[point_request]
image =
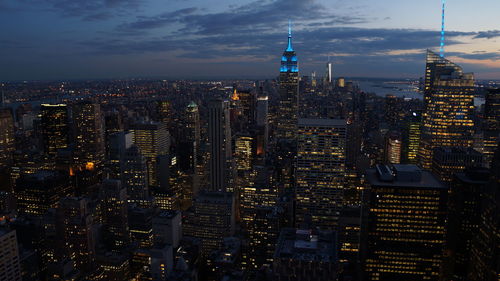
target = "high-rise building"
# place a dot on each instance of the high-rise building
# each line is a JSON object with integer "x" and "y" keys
{"x": 349, "y": 236}
{"x": 248, "y": 104}
{"x": 449, "y": 106}
{"x": 320, "y": 171}
{"x": 117, "y": 144}
{"x": 329, "y": 73}
{"x": 189, "y": 152}
{"x": 464, "y": 218}
{"x": 38, "y": 192}
{"x": 447, "y": 161}
{"x": 140, "y": 222}
{"x": 393, "y": 110}
{"x": 89, "y": 136}
{"x": 411, "y": 138}
{"x": 75, "y": 224}
{"x": 153, "y": 140}
{"x": 165, "y": 112}
{"x": 262, "y": 121}
{"x": 259, "y": 214}
{"x": 6, "y": 137}
{"x": 219, "y": 138}
{"x": 212, "y": 219}
{"x": 491, "y": 130}
{"x": 27, "y": 162}
{"x": 135, "y": 177}
{"x": 10, "y": 269}
{"x": 306, "y": 255}
{"x": 54, "y": 124}
{"x": 262, "y": 112}
{"x": 192, "y": 138}
{"x": 404, "y": 224}
{"x": 288, "y": 92}
{"x": 341, "y": 82}
{"x": 393, "y": 145}
{"x": 114, "y": 208}
{"x": 485, "y": 248}
{"x": 167, "y": 228}
{"x": 244, "y": 153}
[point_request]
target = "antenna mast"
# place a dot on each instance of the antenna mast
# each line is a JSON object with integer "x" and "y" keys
{"x": 441, "y": 47}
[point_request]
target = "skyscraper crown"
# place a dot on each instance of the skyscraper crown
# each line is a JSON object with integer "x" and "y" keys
{"x": 289, "y": 61}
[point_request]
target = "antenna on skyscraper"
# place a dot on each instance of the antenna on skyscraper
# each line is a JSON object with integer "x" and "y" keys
{"x": 441, "y": 47}
{"x": 289, "y": 28}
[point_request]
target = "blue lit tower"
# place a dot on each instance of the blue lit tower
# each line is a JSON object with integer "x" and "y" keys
{"x": 289, "y": 92}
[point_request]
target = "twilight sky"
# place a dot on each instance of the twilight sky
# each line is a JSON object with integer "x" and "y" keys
{"x": 73, "y": 39}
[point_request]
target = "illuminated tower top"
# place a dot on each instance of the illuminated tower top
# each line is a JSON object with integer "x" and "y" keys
{"x": 289, "y": 61}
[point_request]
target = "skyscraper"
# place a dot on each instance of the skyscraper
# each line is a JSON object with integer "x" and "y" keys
{"x": 485, "y": 248}
{"x": 219, "y": 138}
{"x": 393, "y": 145}
{"x": 447, "y": 161}
{"x": 289, "y": 93}
{"x": 10, "y": 269}
{"x": 89, "y": 135}
{"x": 411, "y": 138}
{"x": 320, "y": 172}
{"x": 491, "y": 128}
{"x": 54, "y": 123}
{"x": 449, "y": 106}
{"x": 153, "y": 140}
{"x": 464, "y": 218}
{"x": 192, "y": 136}
{"x": 75, "y": 224}
{"x": 262, "y": 123}
{"x": 38, "y": 192}
{"x": 212, "y": 219}
{"x": 329, "y": 72}
{"x": 114, "y": 206}
{"x": 189, "y": 151}
{"x": 118, "y": 143}
{"x": 6, "y": 137}
{"x": 135, "y": 177}
{"x": 404, "y": 224}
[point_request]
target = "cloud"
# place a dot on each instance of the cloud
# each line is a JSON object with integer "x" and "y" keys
{"x": 254, "y": 36}
{"x": 258, "y": 16}
{"x": 88, "y": 10}
{"x": 488, "y": 34}
{"x": 146, "y": 23}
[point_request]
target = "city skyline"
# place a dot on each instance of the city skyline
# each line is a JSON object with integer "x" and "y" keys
{"x": 60, "y": 39}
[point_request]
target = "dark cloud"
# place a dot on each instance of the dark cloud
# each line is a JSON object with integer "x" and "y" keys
{"x": 157, "y": 21}
{"x": 88, "y": 10}
{"x": 258, "y": 16}
{"x": 254, "y": 36}
{"x": 477, "y": 55}
{"x": 488, "y": 34}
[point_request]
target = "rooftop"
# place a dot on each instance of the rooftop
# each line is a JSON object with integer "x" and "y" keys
{"x": 307, "y": 244}
{"x": 322, "y": 122}
{"x": 402, "y": 176}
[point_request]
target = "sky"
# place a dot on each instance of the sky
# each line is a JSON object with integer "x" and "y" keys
{"x": 205, "y": 39}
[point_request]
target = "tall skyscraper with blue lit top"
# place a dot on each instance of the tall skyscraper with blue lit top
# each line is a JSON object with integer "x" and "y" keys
{"x": 289, "y": 92}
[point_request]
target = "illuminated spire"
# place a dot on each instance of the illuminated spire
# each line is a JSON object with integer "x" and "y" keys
{"x": 289, "y": 48}
{"x": 441, "y": 47}
{"x": 235, "y": 95}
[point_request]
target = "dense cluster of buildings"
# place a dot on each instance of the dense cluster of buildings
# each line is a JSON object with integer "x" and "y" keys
{"x": 294, "y": 179}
